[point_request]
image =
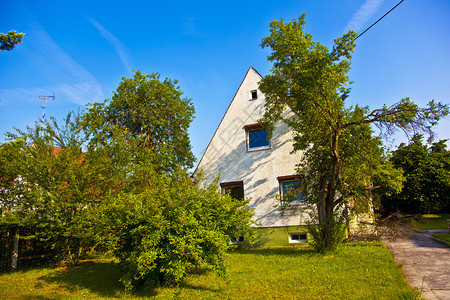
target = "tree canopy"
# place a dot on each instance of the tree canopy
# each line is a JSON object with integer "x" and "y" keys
{"x": 10, "y": 40}
{"x": 427, "y": 172}
{"x": 341, "y": 153}
{"x": 150, "y": 111}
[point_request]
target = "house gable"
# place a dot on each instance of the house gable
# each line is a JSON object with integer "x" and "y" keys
{"x": 239, "y": 153}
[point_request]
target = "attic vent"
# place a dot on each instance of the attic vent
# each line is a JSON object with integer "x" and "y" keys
{"x": 254, "y": 94}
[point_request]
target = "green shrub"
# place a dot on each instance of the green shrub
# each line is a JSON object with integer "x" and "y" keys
{"x": 171, "y": 227}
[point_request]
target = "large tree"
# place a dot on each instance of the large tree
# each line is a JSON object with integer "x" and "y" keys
{"x": 340, "y": 153}
{"x": 427, "y": 173}
{"x": 152, "y": 111}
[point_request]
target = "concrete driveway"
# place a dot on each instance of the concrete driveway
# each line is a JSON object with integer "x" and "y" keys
{"x": 426, "y": 263}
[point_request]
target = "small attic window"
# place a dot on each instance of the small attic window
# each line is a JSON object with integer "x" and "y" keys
{"x": 254, "y": 94}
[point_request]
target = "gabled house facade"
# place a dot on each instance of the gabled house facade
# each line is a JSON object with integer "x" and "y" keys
{"x": 253, "y": 167}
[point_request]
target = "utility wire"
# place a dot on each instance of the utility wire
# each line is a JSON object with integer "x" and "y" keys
{"x": 378, "y": 20}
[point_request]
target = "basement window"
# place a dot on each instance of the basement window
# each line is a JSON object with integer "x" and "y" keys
{"x": 254, "y": 94}
{"x": 236, "y": 240}
{"x": 298, "y": 237}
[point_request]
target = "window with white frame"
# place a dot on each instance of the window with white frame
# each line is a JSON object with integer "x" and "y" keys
{"x": 290, "y": 190}
{"x": 254, "y": 94}
{"x": 256, "y": 137}
{"x": 298, "y": 237}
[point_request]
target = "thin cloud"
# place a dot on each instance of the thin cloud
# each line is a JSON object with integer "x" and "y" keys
{"x": 362, "y": 15}
{"x": 74, "y": 84}
{"x": 190, "y": 29}
{"x": 118, "y": 46}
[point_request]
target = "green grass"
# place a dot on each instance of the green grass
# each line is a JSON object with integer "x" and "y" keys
{"x": 443, "y": 236}
{"x": 355, "y": 271}
{"x": 431, "y": 221}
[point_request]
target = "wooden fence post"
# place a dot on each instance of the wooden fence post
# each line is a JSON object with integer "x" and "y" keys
{"x": 15, "y": 255}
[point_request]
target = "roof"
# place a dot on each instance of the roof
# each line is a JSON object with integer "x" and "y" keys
{"x": 248, "y": 71}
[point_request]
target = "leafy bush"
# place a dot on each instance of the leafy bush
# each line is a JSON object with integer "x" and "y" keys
{"x": 171, "y": 227}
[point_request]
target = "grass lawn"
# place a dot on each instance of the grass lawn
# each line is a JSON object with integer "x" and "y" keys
{"x": 432, "y": 221}
{"x": 443, "y": 236}
{"x": 355, "y": 271}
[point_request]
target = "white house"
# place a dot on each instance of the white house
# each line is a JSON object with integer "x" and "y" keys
{"x": 253, "y": 167}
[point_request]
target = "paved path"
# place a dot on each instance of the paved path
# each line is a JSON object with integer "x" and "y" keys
{"x": 426, "y": 263}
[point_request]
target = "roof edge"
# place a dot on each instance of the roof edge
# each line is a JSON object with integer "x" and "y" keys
{"x": 234, "y": 97}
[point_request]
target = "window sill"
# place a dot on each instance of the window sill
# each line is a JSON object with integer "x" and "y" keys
{"x": 258, "y": 149}
{"x": 298, "y": 241}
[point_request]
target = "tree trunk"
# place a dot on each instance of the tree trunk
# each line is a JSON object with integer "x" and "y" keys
{"x": 15, "y": 255}
{"x": 328, "y": 212}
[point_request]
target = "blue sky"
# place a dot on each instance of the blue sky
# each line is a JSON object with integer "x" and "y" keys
{"x": 80, "y": 50}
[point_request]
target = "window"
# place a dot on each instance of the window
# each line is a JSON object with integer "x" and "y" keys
{"x": 235, "y": 240}
{"x": 298, "y": 237}
{"x": 256, "y": 137}
{"x": 290, "y": 189}
{"x": 254, "y": 94}
{"x": 234, "y": 188}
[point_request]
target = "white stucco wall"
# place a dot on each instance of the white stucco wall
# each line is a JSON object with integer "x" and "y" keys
{"x": 227, "y": 154}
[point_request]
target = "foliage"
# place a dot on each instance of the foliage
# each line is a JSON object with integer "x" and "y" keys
{"x": 51, "y": 188}
{"x": 10, "y": 159}
{"x": 259, "y": 273}
{"x": 336, "y": 230}
{"x": 427, "y": 173}
{"x": 341, "y": 155}
{"x": 10, "y": 40}
{"x": 172, "y": 226}
{"x": 147, "y": 109}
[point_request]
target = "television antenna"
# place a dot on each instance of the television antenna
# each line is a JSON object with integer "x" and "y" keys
{"x": 45, "y": 98}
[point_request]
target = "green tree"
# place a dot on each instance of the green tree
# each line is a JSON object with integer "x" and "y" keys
{"x": 10, "y": 40}
{"x": 151, "y": 111}
{"x": 51, "y": 189}
{"x": 341, "y": 154}
{"x": 427, "y": 173}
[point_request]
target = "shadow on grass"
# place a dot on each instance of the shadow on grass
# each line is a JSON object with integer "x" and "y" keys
{"x": 34, "y": 297}
{"x": 185, "y": 285}
{"x": 269, "y": 251}
{"x": 101, "y": 278}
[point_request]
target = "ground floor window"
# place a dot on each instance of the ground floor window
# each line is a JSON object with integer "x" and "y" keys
{"x": 234, "y": 188}
{"x": 290, "y": 189}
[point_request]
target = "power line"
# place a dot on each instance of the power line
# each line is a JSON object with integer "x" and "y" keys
{"x": 378, "y": 20}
